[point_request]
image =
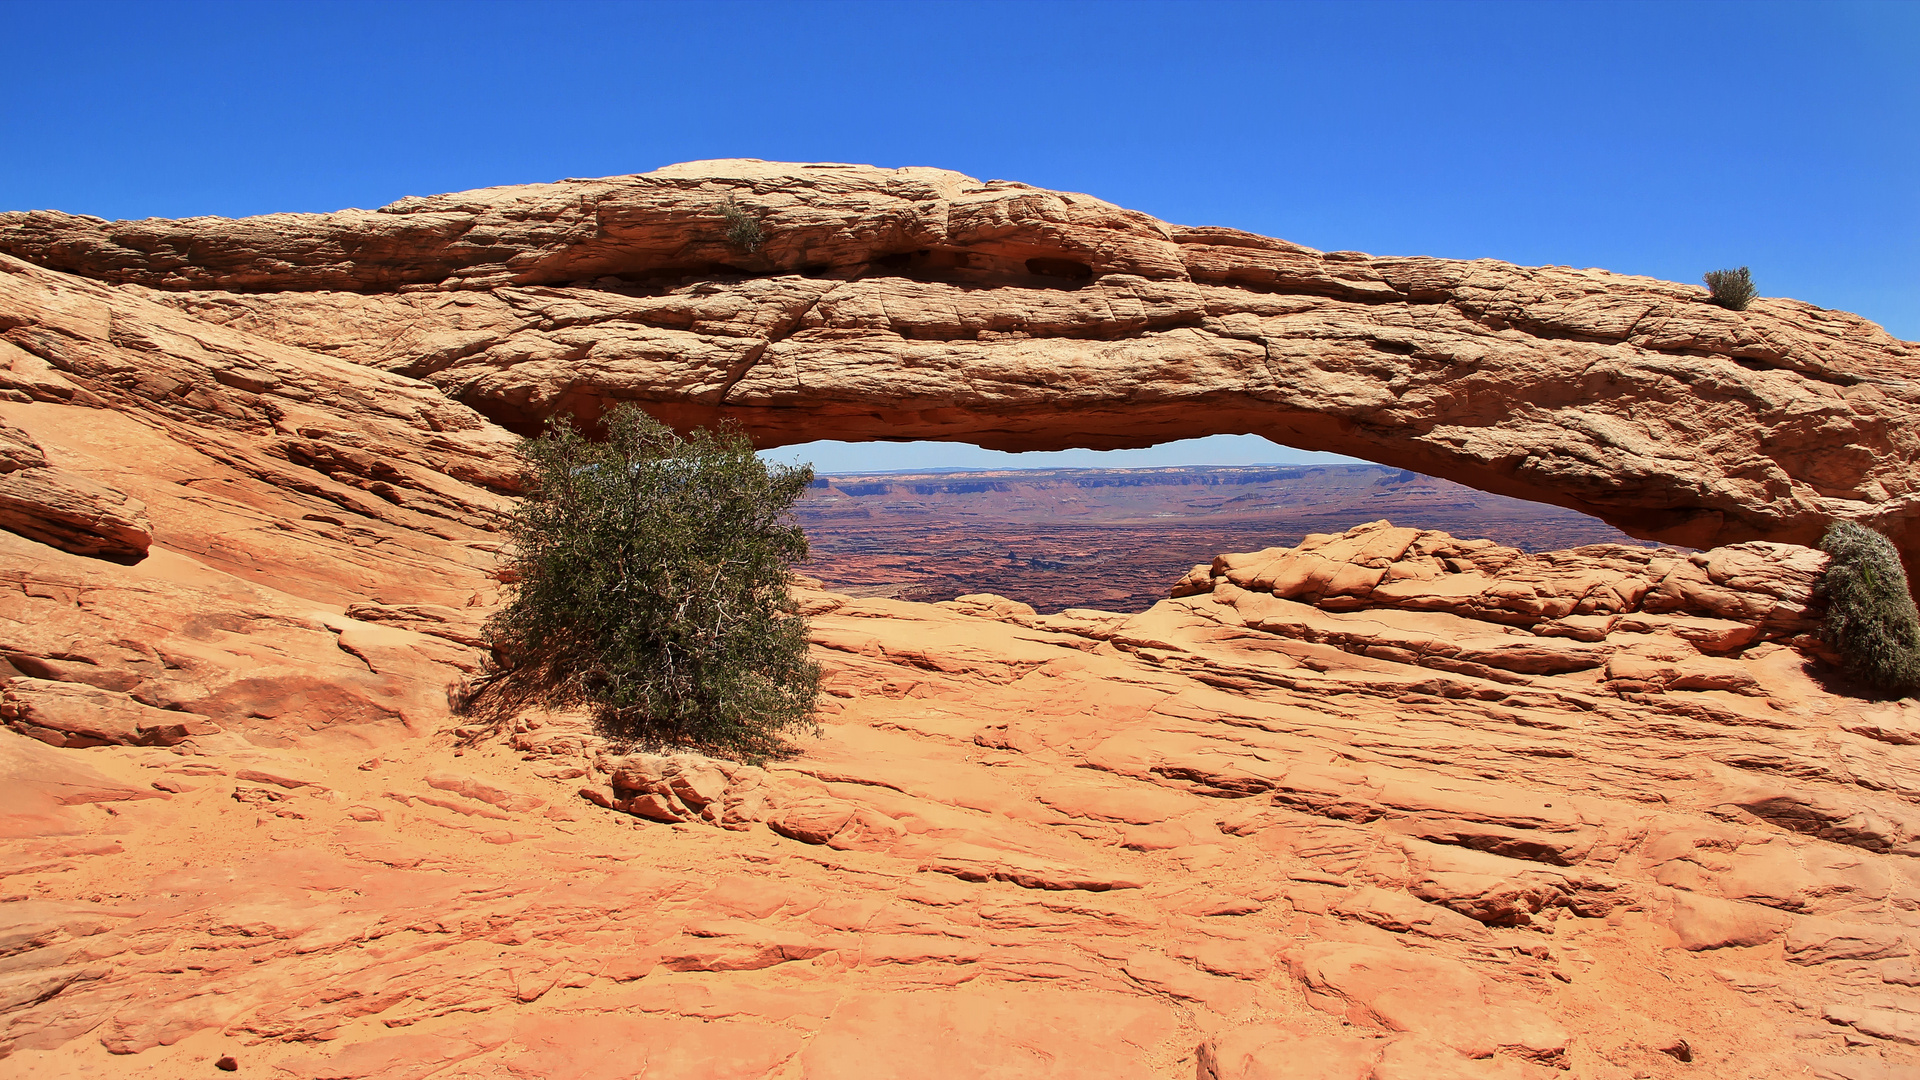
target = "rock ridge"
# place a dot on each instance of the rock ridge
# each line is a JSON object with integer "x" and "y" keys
{"x": 1386, "y": 803}
{"x": 922, "y": 304}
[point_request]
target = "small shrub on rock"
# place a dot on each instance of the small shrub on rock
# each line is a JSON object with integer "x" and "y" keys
{"x": 1871, "y": 618}
{"x": 650, "y": 582}
{"x": 1731, "y": 289}
{"x": 743, "y": 229}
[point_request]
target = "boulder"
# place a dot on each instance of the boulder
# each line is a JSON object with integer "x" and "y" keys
{"x": 75, "y": 714}
{"x": 73, "y": 513}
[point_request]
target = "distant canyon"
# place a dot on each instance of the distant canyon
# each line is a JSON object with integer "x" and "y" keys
{"x": 1117, "y": 539}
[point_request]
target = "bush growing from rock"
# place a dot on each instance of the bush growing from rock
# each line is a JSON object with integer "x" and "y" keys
{"x": 1731, "y": 289}
{"x": 743, "y": 229}
{"x": 650, "y": 582}
{"x": 1871, "y": 618}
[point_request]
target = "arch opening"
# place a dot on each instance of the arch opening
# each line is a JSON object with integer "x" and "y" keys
{"x": 1114, "y": 530}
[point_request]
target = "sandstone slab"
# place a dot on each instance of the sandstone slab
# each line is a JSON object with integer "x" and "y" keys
{"x": 1502, "y": 813}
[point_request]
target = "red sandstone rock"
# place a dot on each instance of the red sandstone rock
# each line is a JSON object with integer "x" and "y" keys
{"x": 69, "y": 512}
{"x": 277, "y": 505}
{"x": 918, "y": 303}
{"x": 1402, "y": 991}
{"x": 75, "y": 714}
{"x": 40, "y": 786}
{"x": 474, "y": 788}
{"x": 1298, "y": 1052}
{"x": 19, "y": 451}
{"x": 1512, "y": 816}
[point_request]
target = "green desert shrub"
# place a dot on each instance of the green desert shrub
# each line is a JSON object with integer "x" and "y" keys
{"x": 1731, "y": 289}
{"x": 1871, "y": 620}
{"x": 649, "y": 582}
{"x": 743, "y": 229}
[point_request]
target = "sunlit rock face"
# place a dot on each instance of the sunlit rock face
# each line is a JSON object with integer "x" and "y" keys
{"x": 1388, "y": 802}
{"x": 922, "y": 304}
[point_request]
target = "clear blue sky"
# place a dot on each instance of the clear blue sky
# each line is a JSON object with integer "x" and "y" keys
{"x": 1647, "y": 138}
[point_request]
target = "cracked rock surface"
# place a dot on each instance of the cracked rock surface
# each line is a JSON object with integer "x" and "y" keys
{"x": 922, "y": 304}
{"x": 1389, "y": 803}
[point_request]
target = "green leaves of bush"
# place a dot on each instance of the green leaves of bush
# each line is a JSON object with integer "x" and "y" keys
{"x": 650, "y": 582}
{"x": 1731, "y": 289}
{"x": 743, "y": 229}
{"x": 1871, "y": 618}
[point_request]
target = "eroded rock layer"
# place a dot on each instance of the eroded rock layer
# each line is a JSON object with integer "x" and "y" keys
{"x": 1461, "y": 829}
{"x": 1389, "y": 803}
{"x": 922, "y": 304}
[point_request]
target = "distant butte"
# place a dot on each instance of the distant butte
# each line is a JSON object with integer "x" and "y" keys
{"x": 919, "y": 303}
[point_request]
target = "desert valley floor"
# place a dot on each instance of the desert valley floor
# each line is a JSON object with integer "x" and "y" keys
{"x": 1113, "y": 538}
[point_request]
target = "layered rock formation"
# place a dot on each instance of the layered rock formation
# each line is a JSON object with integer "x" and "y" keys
{"x": 315, "y": 536}
{"x": 1385, "y": 804}
{"x": 922, "y": 304}
{"x": 1451, "y": 829}
{"x": 67, "y": 511}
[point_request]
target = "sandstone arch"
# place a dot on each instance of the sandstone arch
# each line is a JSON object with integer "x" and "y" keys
{"x": 922, "y": 304}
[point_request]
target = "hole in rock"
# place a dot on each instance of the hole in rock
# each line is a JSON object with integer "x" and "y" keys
{"x": 985, "y": 267}
{"x": 1070, "y": 269}
{"x": 1114, "y": 529}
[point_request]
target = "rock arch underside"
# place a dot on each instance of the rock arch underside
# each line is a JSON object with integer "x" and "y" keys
{"x": 1385, "y": 804}
{"x": 921, "y": 304}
